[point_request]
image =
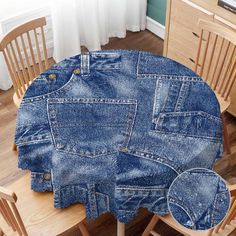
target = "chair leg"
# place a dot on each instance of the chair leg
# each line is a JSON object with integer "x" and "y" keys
{"x": 14, "y": 147}
{"x": 120, "y": 228}
{"x": 83, "y": 229}
{"x": 1, "y": 232}
{"x": 230, "y": 218}
{"x": 210, "y": 232}
{"x": 225, "y": 135}
{"x": 151, "y": 225}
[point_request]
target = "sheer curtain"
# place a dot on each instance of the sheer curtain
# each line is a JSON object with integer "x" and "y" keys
{"x": 82, "y": 22}
{"x": 10, "y": 11}
{"x": 5, "y": 82}
{"x": 91, "y": 22}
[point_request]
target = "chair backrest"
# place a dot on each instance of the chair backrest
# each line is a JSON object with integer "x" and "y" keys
{"x": 216, "y": 57}
{"x": 25, "y": 53}
{"x": 37, "y": 212}
{"x": 9, "y": 211}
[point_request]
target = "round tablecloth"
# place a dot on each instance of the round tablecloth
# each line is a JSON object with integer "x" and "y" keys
{"x": 113, "y": 129}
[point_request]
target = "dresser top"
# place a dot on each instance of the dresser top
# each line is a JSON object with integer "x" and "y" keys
{"x": 211, "y": 5}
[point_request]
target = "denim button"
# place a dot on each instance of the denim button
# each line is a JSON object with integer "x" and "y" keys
{"x": 125, "y": 149}
{"x": 52, "y": 76}
{"x": 59, "y": 145}
{"x": 76, "y": 71}
{"x": 47, "y": 176}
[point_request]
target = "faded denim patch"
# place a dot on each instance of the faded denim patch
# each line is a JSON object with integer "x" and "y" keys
{"x": 198, "y": 199}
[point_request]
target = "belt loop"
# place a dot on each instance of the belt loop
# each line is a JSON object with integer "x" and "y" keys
{"x": 92, "y": 201}
{"x": 85, "y": 63}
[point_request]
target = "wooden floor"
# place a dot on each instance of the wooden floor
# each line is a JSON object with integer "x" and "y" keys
{"x": 105, "y": 225}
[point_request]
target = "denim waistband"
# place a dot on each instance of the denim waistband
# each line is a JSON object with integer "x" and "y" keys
{"x": 41, "y": 181}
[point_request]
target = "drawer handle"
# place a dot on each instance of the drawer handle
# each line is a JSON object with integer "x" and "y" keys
{"x": 195, "y": 34}
{"x": 191, "y": 60}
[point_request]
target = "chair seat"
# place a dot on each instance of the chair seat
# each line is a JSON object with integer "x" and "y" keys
{"x": 38, "y": 212}
{"x": 17, "y": 100}
{"x": 168, "y": 219}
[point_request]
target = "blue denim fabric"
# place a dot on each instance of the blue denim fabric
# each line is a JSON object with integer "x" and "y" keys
{"x": 198, "y": 199}
{"x": 113, "y": 129}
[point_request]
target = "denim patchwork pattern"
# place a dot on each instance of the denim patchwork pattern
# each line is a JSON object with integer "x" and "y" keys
{"x": 113, "y": 129}
{"x": 198, "y": 199}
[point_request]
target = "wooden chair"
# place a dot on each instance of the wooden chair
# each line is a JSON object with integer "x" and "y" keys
{"x": 216, "y": 63}
{"x": 25, "y": 54}
{"x": 24, "y": 212}
{"x": 223, "y": 229}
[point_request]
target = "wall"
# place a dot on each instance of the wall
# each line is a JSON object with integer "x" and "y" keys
{"x": 12, "y": 8}
{"x": 156, "y": 9}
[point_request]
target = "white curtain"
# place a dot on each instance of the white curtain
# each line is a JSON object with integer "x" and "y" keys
{"x": 10, "y": 10}
{"x": 83, "y": 22}
{"x": 91, "y": 22}
{"x": 5, "y": 82}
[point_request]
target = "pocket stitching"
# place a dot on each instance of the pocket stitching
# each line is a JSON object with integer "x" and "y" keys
{"x": 158, "y": 123}
{"x": 190, "y": 214}
{"x": 126, "y": 135}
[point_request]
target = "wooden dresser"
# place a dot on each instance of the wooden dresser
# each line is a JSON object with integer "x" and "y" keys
{"x": 182, "y": 33}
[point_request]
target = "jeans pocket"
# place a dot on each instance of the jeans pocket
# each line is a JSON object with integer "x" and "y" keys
{"x": 179, "y": 108}
{"x": 91, "y": 126}
{"x": 48, "y": 82}
{"x": 193, "y": 123}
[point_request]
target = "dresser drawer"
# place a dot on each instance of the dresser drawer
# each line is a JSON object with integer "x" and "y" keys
{"x": 183, "y": 42}
{"x": 225, "y": 23}
{"x": 184, "y": 32}
{"x": 183, "y": 39}
{"x": 177, "y": 55}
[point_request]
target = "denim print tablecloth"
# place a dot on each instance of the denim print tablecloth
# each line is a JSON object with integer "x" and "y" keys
{"x": 113, "y": 129}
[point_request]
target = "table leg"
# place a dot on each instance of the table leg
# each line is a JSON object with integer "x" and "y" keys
{"x": 120, "y": 228}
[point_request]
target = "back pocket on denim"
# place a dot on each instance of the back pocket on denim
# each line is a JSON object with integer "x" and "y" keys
{"x": 193, "y": 123}
{"x": 91, "y": 126}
